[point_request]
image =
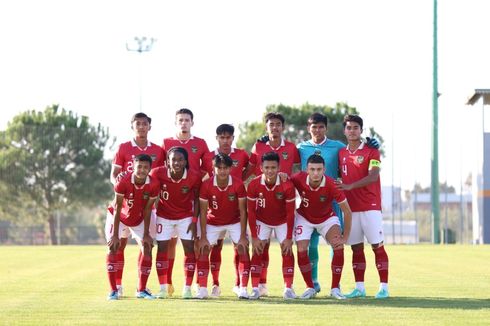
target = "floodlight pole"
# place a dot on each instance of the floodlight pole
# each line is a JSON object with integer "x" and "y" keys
{"x": 435, "y": 141}
{"x": 140, "y": 45}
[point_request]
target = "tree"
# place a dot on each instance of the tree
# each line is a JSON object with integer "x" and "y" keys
{"x": 443, "y": 187}
{"x": 296, "y": 123}
{"x": 54, "y": 159}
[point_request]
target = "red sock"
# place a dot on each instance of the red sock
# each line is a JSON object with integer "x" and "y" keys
{"x": 265, "y": 263}
{"x": 111, "y": 263}
{"x": 144, "y": 271}
{"x": 288, "y": 270}
{"x": 244, "y": 268}
{"x": 337, "y": 266}
{"x": 236, "y": 262}
{"x": 119, "y": 266}
{"x": 203, "y": 270}
{"x": 358, "y": 264}
{"x": 170, "y": 269}
{"x": 162, "y": 267}
{"x": 381, "y": 259}
{"x": 256, "y": 269}
{"x": 305, "y": 267}
{"x": 189, "y": 267}
{"x": 215, "y": 261}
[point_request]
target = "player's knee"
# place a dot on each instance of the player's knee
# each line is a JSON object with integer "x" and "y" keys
{"x": 377, "y": 245}
{"x": 357, "y": 247}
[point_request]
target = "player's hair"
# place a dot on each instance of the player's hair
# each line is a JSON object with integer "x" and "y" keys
{"x": 352, "y": 118}
{"x": 274, "y": 115}
{"x": 225, "y": 129}
{"x": 317, "y": 117}
{"x": 222, "y": 159}
{"x": 140, "y": 115}
{"x": 143, "y": 158}
{"x": 185, "y": 111}
{"x": 315, "y": 158}
{"x": 182, "y": 151}
{"x": 270, "y": 156}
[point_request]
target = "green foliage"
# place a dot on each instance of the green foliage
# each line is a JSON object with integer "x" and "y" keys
{"x": 54, "y": 159}
{"x": 296, "y": 123}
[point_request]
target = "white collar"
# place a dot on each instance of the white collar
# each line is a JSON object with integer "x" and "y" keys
{"x": 216, "y": 151}
{"x": 215, "y": 183}
{"x": 352, "y": 152}
{"x": 133, "y": 143}
{"x": 320, "y": 144}
{"x": 147, "y": 181}
{"x": 282, "y": 144}
{"x": 322, "y": 183}
{"x": 184, "y": 176}
{"x": 183, "y": 141}
{"x": 262, "y": 182}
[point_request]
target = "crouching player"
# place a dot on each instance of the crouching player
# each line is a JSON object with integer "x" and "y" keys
{"x": 135, "y": 194}
{"x": 270, "y": 206}
{"x": 315, "y": 212}
{"x": 223, "y": 204}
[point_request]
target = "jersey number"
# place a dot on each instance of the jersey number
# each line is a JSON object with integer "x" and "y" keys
{"x": 214, "y": 203}
{"x": 164, "y": 194}
{"x": 306, "y": 202}
{"x": 344, "y": 169}
{"x": 130, "y": 203}
{"x": 261, "y": 202}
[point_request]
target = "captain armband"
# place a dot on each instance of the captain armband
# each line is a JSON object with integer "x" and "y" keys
{"x": 374, "y": 164}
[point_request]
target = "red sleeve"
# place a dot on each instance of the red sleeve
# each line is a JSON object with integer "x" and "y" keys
{"x": 241, "y": 192}
{"x": 203, "y": 191}
{"x": 297, "y": 158}
{"x": 207, "y": 163}
{"x": 118, "y": 158}
{"x": 253, "y": 155}
{"x": 119, "y": 187}
{"x": 161, "y": 161}
{"x": 155, "y": 187}
{"x": 290, "y": 206}
{"x": 337, "y": 194}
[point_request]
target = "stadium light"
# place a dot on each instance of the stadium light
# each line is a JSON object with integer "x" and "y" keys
{"x": 140, "y": 45}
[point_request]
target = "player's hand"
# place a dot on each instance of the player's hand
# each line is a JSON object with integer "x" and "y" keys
{"x": 148, "y": 241}
{"x": 264, "y": 139}
{"x": 283, "y": 176}
{"x": 342, "y": 186}
{"x": 121, "y": 175}
{"x": 243, "y": 242}
{"x": 287, "y": 247}
{"x": 203, "y": 245}
{"x": 257, "y": 246}
{"x": 193, "y": 229}
{"x": 113, "y": 243}
{"x": 372, "y": 142}
{"x": 337, "y": 242}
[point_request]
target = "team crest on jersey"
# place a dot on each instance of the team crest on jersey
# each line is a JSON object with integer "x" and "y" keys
{"x": 184, "y": 190}
{"x": 279, "y": 195}
{"x": 231, "y": 197}
{"x": 323, "y": 198}
{"x": 360, "y": 159}
{"x": 146, "y": 195}
{"x": 235, "y": 163}
{"x": 153, "y": 157}
{"x": 194, "y": 149}
{"x": 285, "y": 155}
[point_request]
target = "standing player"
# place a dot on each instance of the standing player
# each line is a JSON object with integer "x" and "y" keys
{"x": 177, "y": 212}
{"x": 271, "y": 207}
{"x": 361, "y": 183}
{"x": 223, "y": 202}
{"x": 225, "y": 137}
{"x": 288, "y": 155}
{"x": 123, "y": 162}
{"x": 329, "y": 149}
{"x": 196, "y": 148}
{"x": 135, "y": 194}
{"x": 317, "y": 191}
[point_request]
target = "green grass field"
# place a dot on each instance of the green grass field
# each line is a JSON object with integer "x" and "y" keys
{"x": 429, "y": 285}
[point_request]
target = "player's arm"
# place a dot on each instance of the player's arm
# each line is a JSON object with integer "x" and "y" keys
{"x": 257, "y": 245}
{"x": 287, "y": 244}
{"x": 195, "y": 218}
{"x": 372, "y": 176}
{"x": 344, "y": 206}
{"x": 114, "y": 241}
{"x": 115, "y": 170}
{"x": 147, "y": 239}
{"x": 203, "y": 241}
{"x": 242, "y": 205}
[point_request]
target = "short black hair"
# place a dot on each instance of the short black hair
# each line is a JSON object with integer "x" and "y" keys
{"x": 274, "y": 115}
{"x": 352, "y": 118}
{"x": 225, "y": 129}
{"x": 222, "y": 159}
{"x": 143, "y": 158}
{"x": 185, "y": 111}
{"x": 270, "y": 156}
{"x": 315, "y": 158}
{"x": 140, "y": 115}
{"x": 182, "y": 151}
{"x": 317, "y": 117}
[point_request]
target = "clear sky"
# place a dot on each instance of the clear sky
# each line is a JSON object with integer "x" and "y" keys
{"x": 227, "y": 60}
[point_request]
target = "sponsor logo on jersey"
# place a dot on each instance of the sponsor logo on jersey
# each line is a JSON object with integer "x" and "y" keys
{"x": 164, "y": 187}
{"x": 146, "y": 195}
{"x": 194, "y": 148}
{"x": 184, "y": 190}
{"x": 131, "y": 195}
{"x": 285, "y": 155}
{"x": 360, "y": 159}
{"x": 231, "y": 197}
{"x": 235, "y": 163}
{"x": 279, "y": 195}
{"x": 323, "y": 198}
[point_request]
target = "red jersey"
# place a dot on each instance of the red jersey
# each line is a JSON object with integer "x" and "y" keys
{"x": 135, "y": 198}
{"x": 270, "y": 203}
{"x": 176, "y": 196}
{"x": 316, "y": 203}
{"x": 127, "y": 151}
{"x": 223, "y": 208}
{"x": 195, "y": 147}
{"x": 355, "y": 166}
{"x": 239, "y": 157}
{"x": 288, "y": 154}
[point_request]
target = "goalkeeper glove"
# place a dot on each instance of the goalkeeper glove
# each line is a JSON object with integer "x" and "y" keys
{"x": 264, "y": 139}
{"x": 372, "y": 142}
